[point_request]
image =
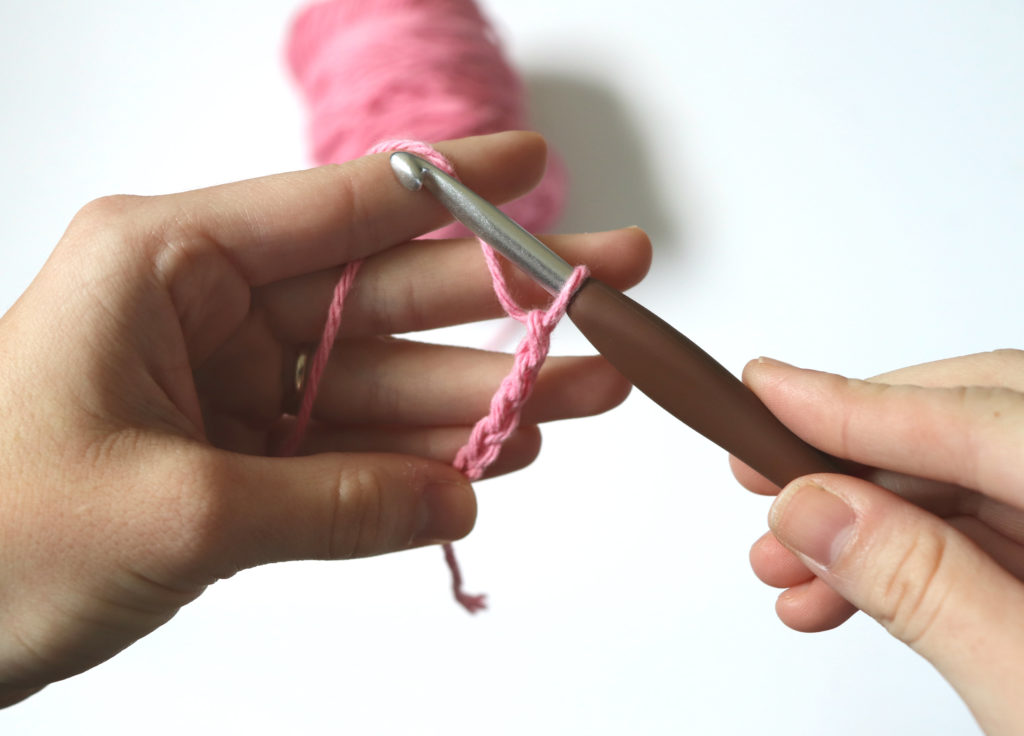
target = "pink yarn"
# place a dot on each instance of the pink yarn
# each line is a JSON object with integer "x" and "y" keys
{"x": 428, "y": 70}
{"x": 415, "y": 70}
{"x": 320, "y": 358}
{"x": 488, "y": 435}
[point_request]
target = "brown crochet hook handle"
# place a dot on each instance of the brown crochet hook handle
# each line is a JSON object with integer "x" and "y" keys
{"x": 691, "y": 385}
{"x": 648, "y": 351}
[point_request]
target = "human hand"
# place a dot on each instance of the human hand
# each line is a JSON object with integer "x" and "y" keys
{"x": 141, "y": 385}
{"x": 938, "y": 559}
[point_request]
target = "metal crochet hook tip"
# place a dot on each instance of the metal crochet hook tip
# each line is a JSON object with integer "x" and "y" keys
{"x": 489, "y": 223}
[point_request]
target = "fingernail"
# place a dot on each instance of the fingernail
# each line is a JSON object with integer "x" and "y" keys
{"x": 812, "y": 521}
{"x": 771, "y": 361}
{"x": 446, "y": 512}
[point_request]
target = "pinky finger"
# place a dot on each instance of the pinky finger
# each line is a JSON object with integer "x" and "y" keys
{"x": 812, "y": 606}
{"x": 751, "y": 479}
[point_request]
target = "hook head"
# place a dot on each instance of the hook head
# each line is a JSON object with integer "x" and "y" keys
{"x": 408, "y": 170}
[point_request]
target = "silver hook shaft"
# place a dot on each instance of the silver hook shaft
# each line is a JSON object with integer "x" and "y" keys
{"x": 489, "y": 223}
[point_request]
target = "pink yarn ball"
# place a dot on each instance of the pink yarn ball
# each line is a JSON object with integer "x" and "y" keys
{"x": 429, "y": 70}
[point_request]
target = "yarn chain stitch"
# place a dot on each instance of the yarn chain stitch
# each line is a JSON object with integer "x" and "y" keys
{"x": 491, "y": 431}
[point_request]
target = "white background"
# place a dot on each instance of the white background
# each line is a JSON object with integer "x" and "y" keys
{"x": 834, "y": 184}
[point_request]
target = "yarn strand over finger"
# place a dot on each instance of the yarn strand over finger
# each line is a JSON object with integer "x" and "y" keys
{"x": 424, "y": 70}
{"x": 490, "y": 432}
{"x": 430, "y": 70}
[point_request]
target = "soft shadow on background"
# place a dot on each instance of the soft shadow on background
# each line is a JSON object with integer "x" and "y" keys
{"x": 610, "y": 175}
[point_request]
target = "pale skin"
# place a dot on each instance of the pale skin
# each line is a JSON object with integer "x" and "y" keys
{"x": 147, "y": 389}
{"x": 938, "y": 560}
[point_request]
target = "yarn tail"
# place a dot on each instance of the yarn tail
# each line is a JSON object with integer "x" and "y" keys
{"x": 489, "y": 434}
{"x": 472, "y": 603}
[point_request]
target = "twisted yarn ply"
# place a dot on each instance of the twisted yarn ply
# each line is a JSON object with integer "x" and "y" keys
{"x": 429, "y": 70}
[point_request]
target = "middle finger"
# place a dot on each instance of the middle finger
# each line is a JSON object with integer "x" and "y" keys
{"x": 427, "y": 284}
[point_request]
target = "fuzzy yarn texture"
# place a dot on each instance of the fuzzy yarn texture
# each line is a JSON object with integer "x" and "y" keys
{"x": 401, "y": 72}
{"x": 426, "y": 70}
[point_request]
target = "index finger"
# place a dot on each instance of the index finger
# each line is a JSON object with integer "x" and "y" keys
{"x": 285, "y": 225}
{"x": 995, "y": 368}
{"x": 971, "y": 436}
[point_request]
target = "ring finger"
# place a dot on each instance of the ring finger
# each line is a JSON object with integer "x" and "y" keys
{"x": 387, "y": 381}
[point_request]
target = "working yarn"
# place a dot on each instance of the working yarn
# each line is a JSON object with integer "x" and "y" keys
{"x": 402, "y": 71}
{"x": 427, "y": 70}
{"x": 491, "y": 431}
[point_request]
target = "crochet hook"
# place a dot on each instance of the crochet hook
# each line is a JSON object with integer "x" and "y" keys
{"x": 649, "y": 352}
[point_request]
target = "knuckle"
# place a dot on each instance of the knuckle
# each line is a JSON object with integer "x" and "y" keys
{"x": 96, "y": 237}
{"x": 105, "y": 211}
{"x": 360, "y": 221}
{"x": 409, "y": 303}
{"x": 851, "y": 427}
{"x": 364, "y": 519}
{"x": 915, "y": 586}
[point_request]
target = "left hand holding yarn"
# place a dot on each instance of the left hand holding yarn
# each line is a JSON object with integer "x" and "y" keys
{"x": 141, "y": 386}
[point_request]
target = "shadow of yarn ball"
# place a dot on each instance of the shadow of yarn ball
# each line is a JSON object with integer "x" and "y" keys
{"x": 610, "y": 181}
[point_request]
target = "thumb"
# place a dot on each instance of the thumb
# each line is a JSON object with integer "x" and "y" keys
{"x": 925, "y": 582}
{"x": 328, "y": 506}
